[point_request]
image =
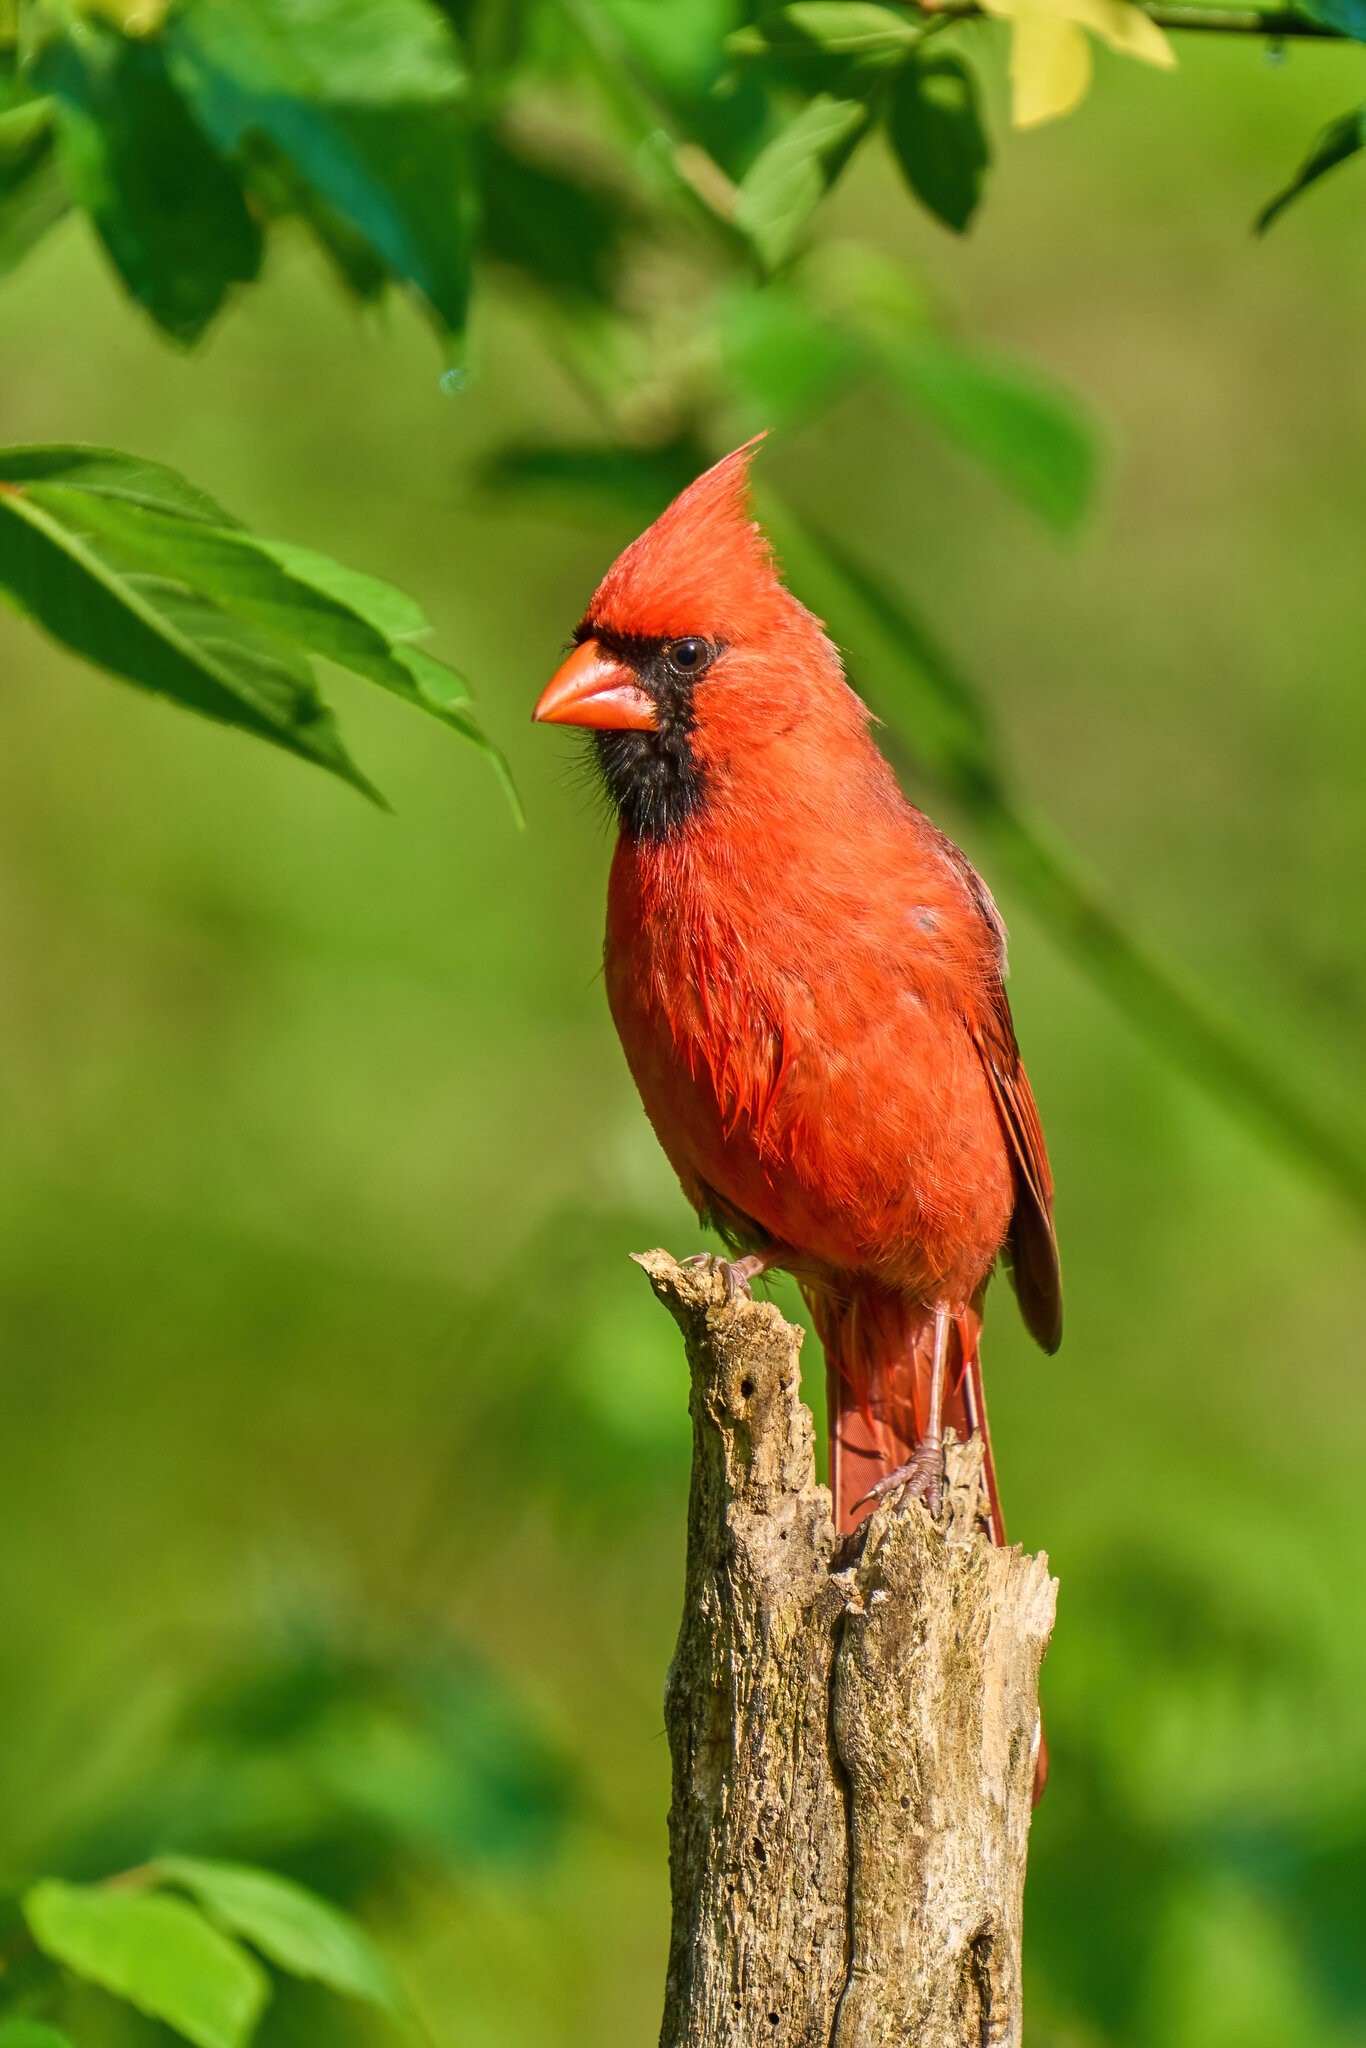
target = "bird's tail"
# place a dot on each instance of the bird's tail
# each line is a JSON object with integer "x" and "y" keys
{"x": 879, "y": 1349}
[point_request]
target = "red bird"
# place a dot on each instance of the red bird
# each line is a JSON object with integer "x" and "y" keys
{"x": 806, "y": 975}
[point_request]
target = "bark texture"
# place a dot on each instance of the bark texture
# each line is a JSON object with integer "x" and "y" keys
{"x": 852, "y": 1730}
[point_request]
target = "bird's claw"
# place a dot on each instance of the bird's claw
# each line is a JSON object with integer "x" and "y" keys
{"x": 732, "y": 1271}
{"x": 920, "y": 1478}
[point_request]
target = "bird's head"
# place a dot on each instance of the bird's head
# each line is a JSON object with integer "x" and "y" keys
{"x": 691, "y": 655}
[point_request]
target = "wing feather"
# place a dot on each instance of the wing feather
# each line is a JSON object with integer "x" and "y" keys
{"x": 1032, "y": 1245}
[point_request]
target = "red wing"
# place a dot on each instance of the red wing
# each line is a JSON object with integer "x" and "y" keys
{"x": 1032, "y": 1246}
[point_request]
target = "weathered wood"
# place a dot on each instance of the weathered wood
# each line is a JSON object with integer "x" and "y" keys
{"x": 852, "y": 1730}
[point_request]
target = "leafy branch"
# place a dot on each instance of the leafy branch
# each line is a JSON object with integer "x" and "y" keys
{"x": 146, "y": 577}
{"x": 183, "y": 1939}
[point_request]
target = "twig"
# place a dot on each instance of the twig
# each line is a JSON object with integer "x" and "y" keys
{"x": 1276, "y": 23}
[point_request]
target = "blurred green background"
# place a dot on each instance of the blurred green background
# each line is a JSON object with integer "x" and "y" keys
{"x": 319, "y": 1164}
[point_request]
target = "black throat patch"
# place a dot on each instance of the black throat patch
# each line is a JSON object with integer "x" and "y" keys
{"x": 653, "y": 778}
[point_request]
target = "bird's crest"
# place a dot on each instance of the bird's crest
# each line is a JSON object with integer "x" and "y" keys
{"x": 703, "y": 567}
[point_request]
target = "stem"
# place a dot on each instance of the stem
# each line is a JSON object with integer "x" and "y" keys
{"x": 649, "y": 109}
{"x": 1275, "y": 23}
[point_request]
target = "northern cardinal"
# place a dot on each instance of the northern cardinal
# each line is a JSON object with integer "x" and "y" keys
{"x": 806, "y": 975}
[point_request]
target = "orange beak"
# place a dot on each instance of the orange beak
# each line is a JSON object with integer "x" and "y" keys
{"x": 595, "y": 690}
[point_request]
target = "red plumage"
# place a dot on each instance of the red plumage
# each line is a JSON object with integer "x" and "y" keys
{"x": 807, "y": 977}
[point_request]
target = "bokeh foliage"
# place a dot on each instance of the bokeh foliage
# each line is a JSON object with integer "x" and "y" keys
{"x": 319, "y": 1160}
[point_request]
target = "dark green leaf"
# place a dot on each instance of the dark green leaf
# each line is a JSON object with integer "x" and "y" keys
{"x": 603, "y": 476}
{"x": 788, "y": 180}
{"x": 166, "y": 206}
{"x": 294, "y": 1929}
{"x": 365, "y": 99}
{"x": 556, "y": 228}
{"x": 818, "y": 29}
{"x": 279, "y": 190}
{"x": 1340, "y": 139}
{"x": 935, "y": 127}
{"x": 99, "y": 599}
{"x": 32, "y": 195}
{"x": 1029, "y": 433}
{"x": 159, "y": 1953}
{"x": 1347, "y": 15}
{"x": 105, "y": 473}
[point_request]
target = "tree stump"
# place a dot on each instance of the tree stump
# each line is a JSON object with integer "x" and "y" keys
{"x": 853, "y": 1726}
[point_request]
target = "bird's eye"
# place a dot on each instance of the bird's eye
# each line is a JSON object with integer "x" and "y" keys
{"x": 689, "y": 657}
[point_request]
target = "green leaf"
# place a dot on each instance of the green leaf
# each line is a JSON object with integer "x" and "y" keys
{"x": 31, "y": 2034}
{"x": 167, "y": 208}
{"x": 105, "y": 473}
{"x": 786, "y": 359}
{"x": 159, "y": 1953}
{"x": 32, "y": 195}
{"x": 366, "y": 625}
{"x": 335, "y": 53}
{"x": 135, "y": 569}
{"x": 294, "y": 1929}
{"x": 365, "y": 98}
{"x": 934, "y": 124}
{"x": 281, "y": 193}
{"x": 290, "y": 592}
{"x": 384, "y": 606}
{"x": 598, "y": 477}
{"x": 100, "y": 599}
{"x": 1347, "y": 15}
{"x": 556, "y": 228}
{"x": 1031, "y": 435}
{"x": 1340, "y": 140}
{"x": 788, "y": 180}
{"x": 829, "y": 28}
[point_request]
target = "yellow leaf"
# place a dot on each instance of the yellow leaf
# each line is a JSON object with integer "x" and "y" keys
{"x": 1050, "y": 59}
{"x": 1125, "y": 28}
{"x": 1050, "y": 68}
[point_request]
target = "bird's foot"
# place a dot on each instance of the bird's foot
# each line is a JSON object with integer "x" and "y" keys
{"x": 920, "y": 1478}
{"x": 736, "y": 1273}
